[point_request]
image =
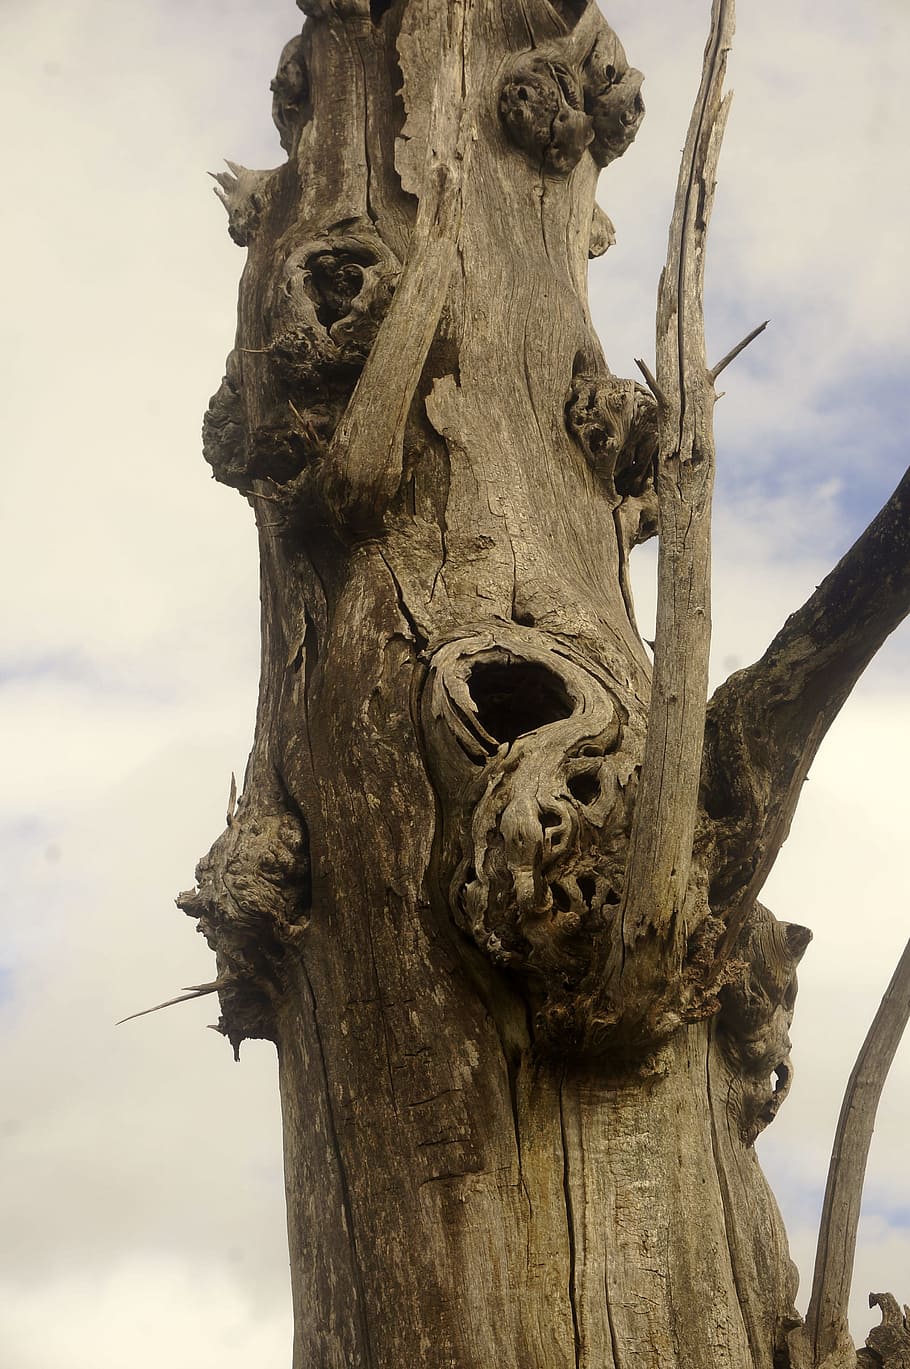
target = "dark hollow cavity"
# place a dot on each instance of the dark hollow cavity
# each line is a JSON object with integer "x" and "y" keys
{"x": 516, "y": 697}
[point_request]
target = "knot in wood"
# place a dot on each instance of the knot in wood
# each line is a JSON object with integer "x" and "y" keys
{"x": 224, "y": 443}
{"x": 333, "y": 292}
{"x": 541, "y": 107}
{"x": 290, "y": 89}
{"x": 329, "y": 298}
{"x": 615, "y": 423}
{"x": 614, "y": 102}
{"x": 755, "y": 1018}
{"x": 251, "y": 902}
{"x": 535, "y": 762}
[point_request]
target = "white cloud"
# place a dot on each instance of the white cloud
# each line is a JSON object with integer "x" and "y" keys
{"x": 843, "y": 873}
{"x": 807, "y": 228}
{"x": 149, "y": 1312}
{"x": 107, "y": 1123}
{"x": 142, "y": 1157}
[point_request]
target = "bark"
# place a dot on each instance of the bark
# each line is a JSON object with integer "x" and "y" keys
{"x": 493, "y": 1154}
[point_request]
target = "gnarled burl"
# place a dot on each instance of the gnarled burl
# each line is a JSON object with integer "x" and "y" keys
{"x": 503, "y": 1144}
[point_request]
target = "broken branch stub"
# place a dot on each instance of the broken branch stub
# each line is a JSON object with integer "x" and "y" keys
{"x": 887, "y": 1345}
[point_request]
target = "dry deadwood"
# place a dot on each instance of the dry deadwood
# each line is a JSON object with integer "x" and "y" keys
{"x": 491, "y": 884}
{"x": 540, "y": 105}
{"x": 534, "y": 756}
{"x": 825, "y": 1336}
{"x": 887, "y": 1345}
{"x": 290, "y": 92}
{"x": 615, "y": 422}
{"x": 603, "y": 234}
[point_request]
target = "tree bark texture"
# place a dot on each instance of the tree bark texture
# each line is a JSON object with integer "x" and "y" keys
{"x": 494, "y": 1154}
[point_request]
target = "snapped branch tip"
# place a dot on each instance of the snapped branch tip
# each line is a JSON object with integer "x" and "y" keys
{"x": 740, "y": 347}
{"x": 192, "y": 991}
{"x": 651, "y": 382}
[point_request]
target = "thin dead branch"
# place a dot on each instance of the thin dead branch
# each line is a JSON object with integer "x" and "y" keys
{"x": 796, "y": 689}
{"x": 651, "y": 381}
{"x": 826, "y": 1320}
{"x": 657, "y": 875}
{"x": 192, "y": 991}
{"x": 740, "y": 347}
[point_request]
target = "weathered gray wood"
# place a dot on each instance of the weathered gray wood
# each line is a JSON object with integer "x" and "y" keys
{"x": 887, "y": 1345}
{"x": 826, "y": 1329}
{"x": 362, "y": 469}
{"x": 752, "y": 775}
{"x": 523, "y": 1062}
{"x": 658, "y": 912}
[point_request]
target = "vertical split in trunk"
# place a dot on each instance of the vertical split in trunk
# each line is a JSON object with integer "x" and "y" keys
{"x": 425, "y": 874}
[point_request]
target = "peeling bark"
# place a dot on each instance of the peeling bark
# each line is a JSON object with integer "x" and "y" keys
{"x": 528, "y": 1027}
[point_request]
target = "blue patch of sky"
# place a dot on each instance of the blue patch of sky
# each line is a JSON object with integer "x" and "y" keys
{"x": 800, "y": 1195}
{"x": 61, "y": 666}
{"x": 895, "y": 1216}
{"x": 860, "y": 445}
{"x": 28, "y": 828}
{"x": 40, "y": 883}
{"x": 76, "y": 671}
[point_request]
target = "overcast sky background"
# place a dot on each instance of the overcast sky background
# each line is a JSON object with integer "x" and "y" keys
{"x": 140, "y": 1184}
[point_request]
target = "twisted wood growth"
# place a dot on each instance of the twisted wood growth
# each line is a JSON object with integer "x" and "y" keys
{"x": 887, "y": 1345}
{"x": 479, "y": 888}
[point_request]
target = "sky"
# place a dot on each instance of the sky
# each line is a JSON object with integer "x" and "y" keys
{"x": 140, "y": 1183}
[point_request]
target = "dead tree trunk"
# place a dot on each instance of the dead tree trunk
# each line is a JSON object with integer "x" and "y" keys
{"x": 529, "y": 1020}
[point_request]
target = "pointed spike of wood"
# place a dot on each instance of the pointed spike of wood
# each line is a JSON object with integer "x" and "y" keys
{"x": 650, "y": 380}
{"x": 199, "y": 991}
{"x": 740, "y": 347}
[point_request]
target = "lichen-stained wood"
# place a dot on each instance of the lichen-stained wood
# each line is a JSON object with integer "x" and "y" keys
{"x": 508, "y": 1140}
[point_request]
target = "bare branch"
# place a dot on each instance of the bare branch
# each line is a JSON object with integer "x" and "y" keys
{"x": 740, "y": 347}
{"x": 752, "y": 776}
{"x": 192, "y": 991}
{"x": 657, "y": 874}
{"x": 651, "y": 381}
{"x": 826, "y": 1319}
